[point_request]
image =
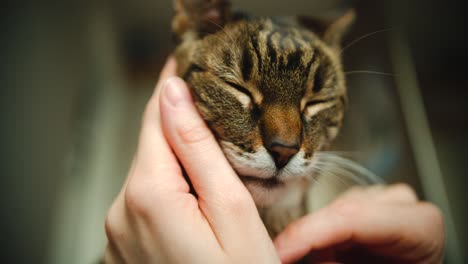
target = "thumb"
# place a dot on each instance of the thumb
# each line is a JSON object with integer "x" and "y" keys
{"x": 222, "y": 196}
{"x": 193, "y": 142}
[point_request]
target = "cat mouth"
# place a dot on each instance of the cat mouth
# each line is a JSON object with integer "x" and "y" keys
{"x": 272, "y": 182}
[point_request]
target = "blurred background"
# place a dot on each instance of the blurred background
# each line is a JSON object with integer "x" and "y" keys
{"x": 75, "y": 77}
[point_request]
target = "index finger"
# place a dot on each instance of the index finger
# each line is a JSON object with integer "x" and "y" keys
{"x": 390, "y": 230}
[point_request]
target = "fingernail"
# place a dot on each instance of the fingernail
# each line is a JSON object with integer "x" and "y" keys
{"x": 175, "y": 91}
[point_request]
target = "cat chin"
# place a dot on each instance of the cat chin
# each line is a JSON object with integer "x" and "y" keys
{"x": 260, "y": 164}
{"x": 265, "y": 195}
{"x": 268, "y": 193}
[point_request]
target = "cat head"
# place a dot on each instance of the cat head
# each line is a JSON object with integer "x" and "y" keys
{"x": 271, "y": 89}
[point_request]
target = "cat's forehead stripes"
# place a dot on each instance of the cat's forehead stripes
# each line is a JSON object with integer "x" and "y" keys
{"x": 278, "y": 60}
{"x": 247, "y": 64}
{"x": 258, "y": 79}
{"x": 285, "y": 47}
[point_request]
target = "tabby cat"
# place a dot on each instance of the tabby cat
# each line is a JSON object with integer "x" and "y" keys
{"x": 273, "y": 92}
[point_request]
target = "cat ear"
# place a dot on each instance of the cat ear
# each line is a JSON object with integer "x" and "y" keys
{"x": 200, "y": 16}
{"x": 331, "y": 31}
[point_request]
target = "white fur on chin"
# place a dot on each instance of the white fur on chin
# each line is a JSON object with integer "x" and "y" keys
{"x": 261, "y": 165}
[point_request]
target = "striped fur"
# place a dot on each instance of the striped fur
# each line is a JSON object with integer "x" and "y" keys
{"x": 257, "y": 81}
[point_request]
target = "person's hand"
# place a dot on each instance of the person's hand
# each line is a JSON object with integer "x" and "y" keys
{"x": 155, "y": 218}
{"x": 367, "y": 225}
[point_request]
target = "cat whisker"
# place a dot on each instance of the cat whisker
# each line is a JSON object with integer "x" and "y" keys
{"x": 341, "y": 153}
{"x": 330, "y": 174}
{"x": 364, "y": 37}
{"x": 336, "y": 161}
{"x": 369, "y": 72}
{"x": 325, "y": 185}
{"x": 330, "y": 169}
{"x": 344, "y": 173}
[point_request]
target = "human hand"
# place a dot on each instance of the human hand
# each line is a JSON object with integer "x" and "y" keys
{"x": 367, "y": 225}
{"x": 155, "y": 219}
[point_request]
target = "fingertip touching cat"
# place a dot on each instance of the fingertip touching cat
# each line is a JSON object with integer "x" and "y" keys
{"x": 273, "y": 92}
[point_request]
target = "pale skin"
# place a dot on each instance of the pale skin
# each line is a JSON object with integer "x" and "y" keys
{"x": 155, "y": 218}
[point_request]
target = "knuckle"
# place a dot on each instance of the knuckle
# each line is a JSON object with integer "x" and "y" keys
{"x": 347, "y": 207}
{"x": 433, "y": 213}
{"x": 114, "y": 224}
{"x": 136, "y": 200}
{"x": 404, "y": 189}
{"x": 110, "y": 226}
{"x": 435, "y": 224}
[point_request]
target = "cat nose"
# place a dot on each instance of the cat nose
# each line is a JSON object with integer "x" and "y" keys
{"x": 282, "y": 152}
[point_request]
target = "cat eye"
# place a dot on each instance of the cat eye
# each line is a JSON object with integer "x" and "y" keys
{"x": 313, "y": 107}
{"x": 243, "y": 95}
{"x": 239, "y": 88}
{"x": 317, "y": 102}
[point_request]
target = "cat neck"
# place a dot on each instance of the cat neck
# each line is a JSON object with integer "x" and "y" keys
{"x": 291, "y": 207}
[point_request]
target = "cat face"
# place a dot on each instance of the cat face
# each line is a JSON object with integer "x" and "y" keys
{"x": 273, "y": 93}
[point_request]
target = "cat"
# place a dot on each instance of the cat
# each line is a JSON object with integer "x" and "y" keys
{"x": 273, "y": 92}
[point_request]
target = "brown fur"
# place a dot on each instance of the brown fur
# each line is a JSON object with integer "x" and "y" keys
{"x": 257, "y": 80}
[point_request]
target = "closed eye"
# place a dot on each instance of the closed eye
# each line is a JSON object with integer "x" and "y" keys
{"x": 317, "y": 102}
{"x": 239, "y": 88}
{"x": 243, "y": 95}
{"x": 315, "y": 106}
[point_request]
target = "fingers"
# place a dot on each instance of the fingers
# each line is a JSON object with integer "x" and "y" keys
{"x": 155, "y": 206}
{"x": 145, "y": 205}
{"x": 406, "y": 231}
{"x": 222, "y": 197}
{"x": 401, "y": 192}
{"x": 380, "y": 193}
{"x": 194, "y": 143}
